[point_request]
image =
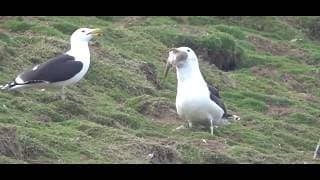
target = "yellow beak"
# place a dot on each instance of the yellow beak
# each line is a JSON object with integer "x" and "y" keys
{"x": 96, "y": 32}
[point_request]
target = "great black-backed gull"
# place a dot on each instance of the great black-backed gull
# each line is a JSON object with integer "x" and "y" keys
{"x": 197, "y": 102}
{"x": 60, "y": 71}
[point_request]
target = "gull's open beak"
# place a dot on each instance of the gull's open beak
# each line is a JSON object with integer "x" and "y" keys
{"x": 96, "y": 32}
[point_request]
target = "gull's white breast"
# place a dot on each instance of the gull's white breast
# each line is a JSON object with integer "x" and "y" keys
{"x": 193, "y": 103}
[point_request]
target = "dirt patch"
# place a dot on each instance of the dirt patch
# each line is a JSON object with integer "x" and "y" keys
{"x": 107, "y": 121}
{"x": 210, "y": 144}
{"x": 133, "y": 20}
{"x": 94, "y": 131}
{"x": 149, "y": 70}
{"x": 44, "y": 119}
{"x": 193, "y": 30}
{"x": 279, "y": 111}
{"x": 7, "y": 17}
{"x": 164, "y": 155}
{"x": 165, "y": 113}
{"x": 9, "y": 145}
{"x": 159, "y": 111}
{"x": 308, "y": 97}
{"x": 265, "y": 45}
{"x": 4, "y": 55}
{"x": 180, "y": 19}
{"x": 267, "y": 72}
{"x": 292, "y": 83}
{"x": 156, "y": 154}
{"x": 220, "y": 59}
{"x": 250, "y": 124}
{"x": 31, "y": 149}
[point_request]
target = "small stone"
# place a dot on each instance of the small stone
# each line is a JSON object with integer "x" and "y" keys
{"x": 204, "y": 141}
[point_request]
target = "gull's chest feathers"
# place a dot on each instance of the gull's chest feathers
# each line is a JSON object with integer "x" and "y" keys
{"x": 188, "y": 92}
{"x": 193, "y": 100}
{"x": 194, "y": 104}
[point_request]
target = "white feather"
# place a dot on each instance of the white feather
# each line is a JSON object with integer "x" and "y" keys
{"x": 35, "y": 67}
{"x": 19, "y": 80}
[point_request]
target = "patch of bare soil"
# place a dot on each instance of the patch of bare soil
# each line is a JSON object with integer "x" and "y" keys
{"x": 155, "y": 154}
{"x": 44, "y": 118}
{"x": 292, "y": 83}
{"x": 7, "y": 17}
{"x": 250, "y": 124}
{"x": 278, "y": 49}
{"x": 164, "y": 113}
{"x": 150, "y": 73}
{"x": 169, "y": 116}
{"x": 132, "y": 20}
{"x": 308, "y": 97}
{"x": 210, "y": 144}
{"x": 9, "y": 145}
{"x": 220, "y": 59}
{"x": 180, "y": 19}
{"x": 267, "y": 72}
{"x": 4, "y": 55}
{"x": 279, "y": 111}
{"x": 159, "y": 111}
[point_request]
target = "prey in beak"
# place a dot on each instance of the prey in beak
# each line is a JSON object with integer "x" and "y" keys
{"x": 175, "y": 56}
{"x": 96, "y": 32}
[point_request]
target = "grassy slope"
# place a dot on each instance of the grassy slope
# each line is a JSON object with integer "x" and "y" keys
{"x": 122, "y": 111}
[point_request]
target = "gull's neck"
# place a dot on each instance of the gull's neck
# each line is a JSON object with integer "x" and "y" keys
{"x": 190, "y": 76}
{"x": 79, "y": 48}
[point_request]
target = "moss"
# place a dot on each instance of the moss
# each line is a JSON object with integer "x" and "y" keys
{"x": 222, "y": 48}
{"x": 219, "y": 158}
{"x": 18, "y": 26}
{"x": 4, "y": 37}
{"x": 234, "y": 31}
{"x": 52, "y": 115}
{"x": 202, "y": 20}
{"x": 303, "y": 118}
{"x": 149, "y": 105}
{"x": 255, "y": 105}
{"x": 105, "y": 18}
{"x": 272, "y": 100}
{"x": 65, "y": 28}
{"x": 8, "y": 160}
{"x": 124, "y": 118}
{"x": 70, "y": 107}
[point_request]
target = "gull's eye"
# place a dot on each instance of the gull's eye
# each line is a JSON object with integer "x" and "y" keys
{"x": 188, "y": 50}
{"x": 83, "y": 31}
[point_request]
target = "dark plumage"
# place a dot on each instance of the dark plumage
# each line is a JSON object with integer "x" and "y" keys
{"x": 57, "y": 69}
{"x": 215, "y": 96}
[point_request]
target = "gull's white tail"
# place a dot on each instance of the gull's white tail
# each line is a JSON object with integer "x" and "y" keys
{"x": 8, "y": 86}
{"x": 236, "y": 118}
{"x": 15, "y": 86}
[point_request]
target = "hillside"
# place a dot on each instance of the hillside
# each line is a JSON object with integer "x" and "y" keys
{"x": 267, "y": 70}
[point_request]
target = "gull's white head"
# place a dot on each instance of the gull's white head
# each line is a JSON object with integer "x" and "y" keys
{"x": 180, "y": 58}
{"x": 85, "y": 34}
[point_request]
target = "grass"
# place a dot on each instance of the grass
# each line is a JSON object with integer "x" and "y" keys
{"x": 123, "y": 110}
